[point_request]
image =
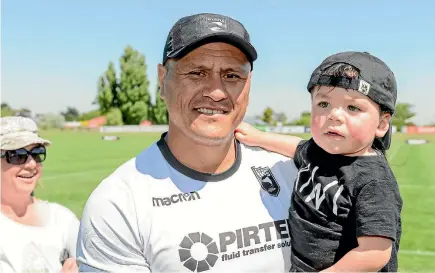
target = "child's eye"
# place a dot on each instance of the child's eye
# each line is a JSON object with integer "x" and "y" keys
{"x": 323, "y": 104}
{"x": 353, "y": 108}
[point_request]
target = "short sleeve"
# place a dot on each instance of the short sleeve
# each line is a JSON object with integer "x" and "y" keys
{"x": 109, "y": 237}
{"x": 300, "y": 153}
{"x": 68, "y": 223}
{"x": 377, "y": 209}
{"x": 72, "y": 230}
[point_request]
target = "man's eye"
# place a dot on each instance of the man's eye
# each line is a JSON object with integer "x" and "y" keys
{"x": 232, "y": 76}
{"x": 323, "y": 104}
{"x": 196, "y": 73}
{"x": 353, "y": 108}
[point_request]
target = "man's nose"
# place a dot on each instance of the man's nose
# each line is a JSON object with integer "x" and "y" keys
{"x": 215, "y": 89}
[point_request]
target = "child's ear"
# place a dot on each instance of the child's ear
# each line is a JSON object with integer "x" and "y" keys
{"x": 384, "y": 125}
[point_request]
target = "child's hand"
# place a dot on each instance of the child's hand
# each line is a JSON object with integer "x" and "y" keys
{"x": 70, "y": 266}
{"x": 248, "y": 134}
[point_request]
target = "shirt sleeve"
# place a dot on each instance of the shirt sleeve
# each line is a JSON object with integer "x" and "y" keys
{"x": 68, "y": 223}
{"x": 109, "y": 237}
{"x": 378, "y": 207}
{"x": 72, "y": 230}
{"x": 300, "y": 153}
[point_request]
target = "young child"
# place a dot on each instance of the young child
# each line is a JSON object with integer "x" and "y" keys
{"x": 346, "y": 205}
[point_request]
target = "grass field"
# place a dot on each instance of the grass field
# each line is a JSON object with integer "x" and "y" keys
{"x": 78, "y": 161}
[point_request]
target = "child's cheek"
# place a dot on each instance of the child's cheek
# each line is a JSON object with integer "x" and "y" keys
{"x": 359, "y": 132}
{"x": 316, "y": 124}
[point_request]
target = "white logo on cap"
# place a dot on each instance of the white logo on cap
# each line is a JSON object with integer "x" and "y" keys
{"x": 364, "y": 87}
{"x": 217, "y": 26}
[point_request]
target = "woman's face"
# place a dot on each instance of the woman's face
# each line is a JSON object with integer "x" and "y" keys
{"x": 22, "y": 178}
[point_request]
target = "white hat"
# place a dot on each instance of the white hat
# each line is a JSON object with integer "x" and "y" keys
{"x": 19, "y": 132}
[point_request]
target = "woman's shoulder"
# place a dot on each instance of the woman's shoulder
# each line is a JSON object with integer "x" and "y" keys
{"x": 59, "y": 213}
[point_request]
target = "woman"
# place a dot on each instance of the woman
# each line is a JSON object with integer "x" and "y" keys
{"x": 36, "y": 235}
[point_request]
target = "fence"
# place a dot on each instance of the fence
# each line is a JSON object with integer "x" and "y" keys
{"x": 164, "y": 128}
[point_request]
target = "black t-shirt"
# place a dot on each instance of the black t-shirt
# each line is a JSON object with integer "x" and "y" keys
{"x": 336, "y": 199}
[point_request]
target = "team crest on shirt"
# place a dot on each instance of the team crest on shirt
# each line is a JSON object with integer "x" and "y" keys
{"x": 267, "y": 180}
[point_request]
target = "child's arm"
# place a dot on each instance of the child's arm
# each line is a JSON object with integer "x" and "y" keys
{"x": 283, "y": 144}
{"x": 371, "y": 255}
{"x": 377, "y": 210}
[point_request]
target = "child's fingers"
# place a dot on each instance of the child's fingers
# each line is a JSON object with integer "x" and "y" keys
{"x": 240, "y": 136}
{"x": 69, "y": 266}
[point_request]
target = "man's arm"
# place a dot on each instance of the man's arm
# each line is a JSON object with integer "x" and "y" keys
{"x": 372, "y": 254}
{"x": 278, "y": 143}
{"x": 109, "y": 237}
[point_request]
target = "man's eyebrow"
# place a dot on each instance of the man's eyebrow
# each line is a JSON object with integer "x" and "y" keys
{"x": 195, "y": 66}
{"x": 237, "y": 68}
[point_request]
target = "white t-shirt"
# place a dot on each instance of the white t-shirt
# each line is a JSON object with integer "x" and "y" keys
{"x": 155, "y": 215}
{"x": 26, "y": 248}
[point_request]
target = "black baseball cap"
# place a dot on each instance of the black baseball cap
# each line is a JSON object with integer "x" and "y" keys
{"x": 196, "y": 30}
{"x": 375, "y": 80}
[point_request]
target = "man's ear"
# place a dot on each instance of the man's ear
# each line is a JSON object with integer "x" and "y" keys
{"x": 384, "y": 125}
{"x": 162, "y": 72}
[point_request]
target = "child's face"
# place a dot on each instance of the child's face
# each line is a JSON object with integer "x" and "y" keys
{"x": 345, "y": 121}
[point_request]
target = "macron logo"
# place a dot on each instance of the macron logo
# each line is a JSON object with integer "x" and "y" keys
{"x": 175, "y": 198}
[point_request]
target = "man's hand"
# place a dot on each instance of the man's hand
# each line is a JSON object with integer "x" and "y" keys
{"x": 70, "y": 266}
{"x": 248, "y": 134}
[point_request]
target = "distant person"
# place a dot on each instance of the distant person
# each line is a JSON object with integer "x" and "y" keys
{"x": 196, "y": 200}
{"x": 346, "y": 206}
{"x": 36, "y": 235}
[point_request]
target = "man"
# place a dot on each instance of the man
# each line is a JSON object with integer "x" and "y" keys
{"x": 197, "y": 200}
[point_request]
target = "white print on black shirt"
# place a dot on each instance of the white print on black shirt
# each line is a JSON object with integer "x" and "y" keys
{"x": 317, "y": 188}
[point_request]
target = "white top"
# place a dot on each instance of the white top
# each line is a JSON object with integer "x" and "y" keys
{"x": 155, "y": 215}
{"x": 26, "y": 248}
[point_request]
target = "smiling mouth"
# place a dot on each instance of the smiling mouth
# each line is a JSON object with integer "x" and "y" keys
{"x": 27, "y": 176}
{"x": 208, "y": 111}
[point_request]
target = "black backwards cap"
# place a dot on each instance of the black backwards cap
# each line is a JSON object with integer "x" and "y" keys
{"x": 375, "y": 80}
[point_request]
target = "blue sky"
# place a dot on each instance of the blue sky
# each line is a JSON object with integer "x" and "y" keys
{"x": 54, "y": 51}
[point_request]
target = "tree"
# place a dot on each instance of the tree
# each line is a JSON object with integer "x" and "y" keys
{"x": 50, "y": 120}
{"x": 107, "y": 90}
{"x": 89, "y": 115}
{"x": 281, "y": 117}
{"x": 71, "y": 114}
{"x": 6, "y": 110}
{"x": 159, "y": 112}
{"x": 304, "y": 120}
{"x": 133, "y": 96}
{"x": 402, "y": 114}
{"x": 24, "y": 112}
{"x": 114, "y": 117}
{"x": 267, "y": 115}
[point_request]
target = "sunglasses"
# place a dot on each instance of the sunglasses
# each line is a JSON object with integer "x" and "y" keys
{"x": 20, "y": 156}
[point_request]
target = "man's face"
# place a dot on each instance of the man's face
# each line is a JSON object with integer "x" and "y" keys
{"x": 207, "y": 92}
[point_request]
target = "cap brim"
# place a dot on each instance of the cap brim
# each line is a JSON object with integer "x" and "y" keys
{"x": 228, "y": 38}
{"x": 21, "y": 142}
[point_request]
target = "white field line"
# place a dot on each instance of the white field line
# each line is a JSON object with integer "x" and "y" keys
{"x": 395, "y": 152}
{"x": 57, "y": 176}
{"x": 416, "y": 252}
{"x": 89, "y": 171}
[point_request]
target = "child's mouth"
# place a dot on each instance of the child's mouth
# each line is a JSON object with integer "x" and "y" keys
{"x": 333, "y": 134}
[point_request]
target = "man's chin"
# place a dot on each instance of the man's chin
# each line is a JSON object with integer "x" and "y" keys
{"x": 212, "y": 137}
